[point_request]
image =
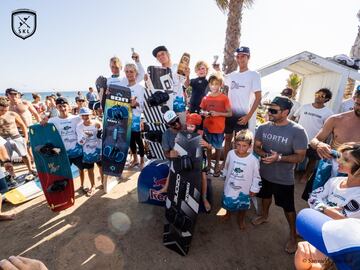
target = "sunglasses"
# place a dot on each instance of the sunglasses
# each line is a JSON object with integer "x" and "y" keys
{"x": 320, "y": 95}
{"x": 273, "y": 111}
{"x": 79, "y": 100}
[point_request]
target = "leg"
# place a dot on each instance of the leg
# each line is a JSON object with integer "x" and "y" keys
{"x": 5, "y": 217}
{"x": 241, "y": 219}
{"x": 217, "y": 167}
{"x": 266, "y": 202}
{"x": 204, "y": 192}
{"x": 92, "y": 181}
{"x": 140, "y": 144}
{"x": 133, "y": 150}
{"x": 208, "y": 154}
{"x": 82, "y": 177}
{"x": 291, "y": 244}
{"x": 227, "y": 147}
{"x": 101, "y": 173}
{"x": 27, "y": 162}
{"x": 308, "y": 171}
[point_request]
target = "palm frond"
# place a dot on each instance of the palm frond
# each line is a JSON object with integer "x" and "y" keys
{"x": 223, "y": 5}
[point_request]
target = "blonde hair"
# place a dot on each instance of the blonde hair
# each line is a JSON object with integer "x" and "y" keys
{"x": 4, "y": 102}
{"x": 201, "y": 63}
{"x": 354, "y": 151}
{"x": 244, "y": 135}
{"x": 216, "y": 76}
{"x": 133, "y": 66}
{"x": 116, "y": 61}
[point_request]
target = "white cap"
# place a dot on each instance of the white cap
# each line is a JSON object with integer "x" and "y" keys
{"x": 170, "y": 116}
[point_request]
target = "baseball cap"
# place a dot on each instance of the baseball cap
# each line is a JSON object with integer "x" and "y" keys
{"x": 159, "y": 49}
{"x": 11, "y": 91}
{"x": 170, "y": 117}
{"x": 85, "y": 111}
{"x": 243, "y": 50}
{"x": 288, "y": 92}
{"x": 283, "y": 102}
{"x": 61, "y": 100}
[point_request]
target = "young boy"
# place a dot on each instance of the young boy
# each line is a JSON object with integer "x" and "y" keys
{"x": 87, "y": 136}
{"x": 242, "y": 177}
{"x": 193, "y": 121}
{"x": 216, "y": 107}
{"x": 199, "y": 86}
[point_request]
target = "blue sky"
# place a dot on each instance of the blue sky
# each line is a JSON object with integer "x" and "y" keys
{"x": 75, "y": 39}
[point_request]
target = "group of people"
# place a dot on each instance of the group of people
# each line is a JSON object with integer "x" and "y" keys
{"x": 221, "y": 109}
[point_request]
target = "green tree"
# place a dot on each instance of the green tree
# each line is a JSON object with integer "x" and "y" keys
{"x": 233, "y": 9}
{"x": 294, "y": 81}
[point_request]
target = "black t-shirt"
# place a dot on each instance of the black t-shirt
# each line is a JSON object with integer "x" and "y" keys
{"x": 199, "y": 90}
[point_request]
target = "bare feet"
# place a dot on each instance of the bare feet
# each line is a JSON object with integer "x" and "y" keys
{"x": 259, "y": 220}
{"x": 242, "y": 225}
{"x": 7, "y": 217}
{"x": 291, "y": 246}
{"x": 133, "y": 164}
{"x": 90, "y": 192}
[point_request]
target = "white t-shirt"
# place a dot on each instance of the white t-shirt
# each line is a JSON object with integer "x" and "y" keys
{"x": 347, "y": 105}
{"x": 242, "y": 86}
{"x": 312, "y": 119}
{"x": 331, "y": 195}
{"x": 2, "y": 143}
{"x": 123, "y": 81}
{"x": 91, "y": 144}
{"x": 242, "y": 175}
{"x": 137, "y": 91}
{"x": 67, "y": 130}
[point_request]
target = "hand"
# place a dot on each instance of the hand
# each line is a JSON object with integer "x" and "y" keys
{"x": 270, "y": 159}
{"x": 135, "y": 57}
{"x": 44, "y": 121}
{"x": 133, "y": 102}
{"x": 174, "y": 154}
{"x": 213, "y": 113}
{"x": 203, "y": 143}
{"x": 146, "y": 77}
{"x": 107, "y": 91}
{"x": 26, "y": 139}
{"x": 252, "y": 194}
{"x": 216, "y": 67}
{"x": 22, "y": 263}
{"x": 324, "y": 150}
{"x": 187, "y": 71}
{"x": 243, "y": 120}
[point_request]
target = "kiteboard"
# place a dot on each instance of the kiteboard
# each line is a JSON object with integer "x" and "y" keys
{"x": 116, "y": 134}
{"x": 53, "y": 166}
{"x": 184, "y": 193}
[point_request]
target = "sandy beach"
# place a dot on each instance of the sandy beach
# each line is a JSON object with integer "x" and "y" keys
{"x": 114, "y": 231}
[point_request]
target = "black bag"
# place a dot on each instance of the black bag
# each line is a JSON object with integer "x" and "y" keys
{"x": 158, "y": 98}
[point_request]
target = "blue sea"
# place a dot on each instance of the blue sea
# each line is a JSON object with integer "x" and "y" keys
{"x": 69, "y": 95}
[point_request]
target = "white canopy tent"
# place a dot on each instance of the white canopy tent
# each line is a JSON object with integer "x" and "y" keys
{"x": 316, "y": 72}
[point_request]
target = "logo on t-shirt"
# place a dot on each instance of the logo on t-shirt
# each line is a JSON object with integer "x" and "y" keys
{"x": 235, "y": 85}
{"x": 312, "y": 114}
{"x": 275, "y": 138}
{"x": 352, "y": 206}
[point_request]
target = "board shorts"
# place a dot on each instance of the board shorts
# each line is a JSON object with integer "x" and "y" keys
{"x": 242, "y": 202}
{"x": 18, "y": 145}
{"x": 283, "y": 194}
{"x": 91, "y": 165}
{"x": 78, "y": 162}
{"x": 215, "y": 139}
{"x": 231, "y": 124}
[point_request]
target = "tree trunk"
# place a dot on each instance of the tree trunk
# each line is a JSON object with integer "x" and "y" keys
{"x": 232, "y": 39}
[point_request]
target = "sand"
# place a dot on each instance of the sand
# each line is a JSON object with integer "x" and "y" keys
{"x": 114, "y": 231}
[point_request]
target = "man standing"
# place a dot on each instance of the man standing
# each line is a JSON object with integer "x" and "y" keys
{"x": 348, "y": 104}
{"x": 162, "y": 55}
{"x": 281, "y": 144}
{"x": 244, "y": 95}
{"x": 9, "y": 123}
{"x": 312, "y": 118}
{"x": 342, "y": 128}
{"x": 22, "y": 107}
{"x": 4, "y": 158}
{"x": 91, "y": 97}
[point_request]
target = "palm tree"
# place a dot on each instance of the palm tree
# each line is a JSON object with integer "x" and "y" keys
{"x": 294, "y": 81}
{"x": 354, "y": 53}
{"x": 233, "y": 8}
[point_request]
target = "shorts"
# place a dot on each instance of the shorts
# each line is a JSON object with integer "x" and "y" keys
{"x": 77, "y": 162}
{"x": 18, "y": 145}
{"x": 231, "y": 124}
{"x": 91, "y": 165}
{"x": 215, "y": 139}
{"x": 242, "y": 202}
{"x": 312, "y": 154}
{"x": 283, "y": 194}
